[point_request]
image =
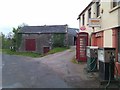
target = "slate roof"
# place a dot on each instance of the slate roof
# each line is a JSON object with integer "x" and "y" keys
{"x": 44, "y": 29}
{"x": 73, "y": 31}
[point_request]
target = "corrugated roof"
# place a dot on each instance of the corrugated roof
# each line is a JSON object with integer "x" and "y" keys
{"x": 73, "y": 31}
{"x": 44, "y": 29}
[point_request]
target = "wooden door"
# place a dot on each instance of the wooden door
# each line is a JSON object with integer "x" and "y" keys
{"x": 46, "y": 50}
{"x": 30, "y": 45}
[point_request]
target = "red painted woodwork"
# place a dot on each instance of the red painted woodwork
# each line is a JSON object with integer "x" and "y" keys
{"x": 115, "y": 41}
{"x": 81, "y": 43}
{"x": 118, "y": 68}
{"x": 93, "y": 40}
{"x": 97, "y": 39}
{"x": 46, "y": 50}
{"x": 115, "y": 45}
{"x": 30, "y": 45}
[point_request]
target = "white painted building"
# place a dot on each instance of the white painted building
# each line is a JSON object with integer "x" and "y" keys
{"x": 109, "y": 15}
{"x": 108, "y": 33}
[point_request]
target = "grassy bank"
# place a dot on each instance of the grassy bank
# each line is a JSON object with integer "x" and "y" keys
{"x": 32, "y": 54}
{"x": 57, "y": 49}
{"x": 29, "y": 54}
{"x": 0, "y": 50}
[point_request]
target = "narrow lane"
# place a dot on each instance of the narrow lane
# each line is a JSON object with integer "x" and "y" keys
{"x": 25, "y": 72}
{"x": 51, "y": 71}
{"x": 73, "y": 74}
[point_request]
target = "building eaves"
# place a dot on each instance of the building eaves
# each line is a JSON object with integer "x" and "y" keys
{"x": 44, "y": 29}
{"x": 89, "y": 5}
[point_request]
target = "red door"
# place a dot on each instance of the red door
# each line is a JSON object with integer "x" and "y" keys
{"x": 30, "y": 45}
{"x": 46, "y": 50}
{"x": 97, "y": 39}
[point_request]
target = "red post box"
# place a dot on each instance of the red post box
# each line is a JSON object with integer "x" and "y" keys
{"x": 81, "y": 43}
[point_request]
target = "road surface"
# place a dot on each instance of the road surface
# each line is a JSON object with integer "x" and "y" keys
{"x": 25, "y": 72}
{"x": 52, "y": 71}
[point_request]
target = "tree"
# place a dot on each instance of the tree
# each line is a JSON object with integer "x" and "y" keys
{"x": 58, "y": 40}
{"x": 3, "y": 39}
{"x": 17, "y": 37}
{"x": 6, "y": 42}
{"x": 0, "y": 40}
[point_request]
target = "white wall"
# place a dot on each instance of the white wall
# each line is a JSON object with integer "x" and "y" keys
{"x": 108, "y": 38}
{"x": 93, "y": 11}
{"x": 108, "y": 19}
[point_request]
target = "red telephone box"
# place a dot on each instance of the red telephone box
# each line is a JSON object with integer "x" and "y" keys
{"x": 81, "y": 43}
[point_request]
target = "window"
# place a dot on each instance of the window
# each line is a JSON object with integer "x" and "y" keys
{"x": 83, "y": 18}
{"x": 115, "y": 3}
{"x": 89, "y": 13}
{"x": 98, "y": 8}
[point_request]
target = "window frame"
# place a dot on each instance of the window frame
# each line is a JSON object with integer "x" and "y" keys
{"x": 115, "y": 3}
{"x": 83, "y": 19}
{"x": 89, "y": 13}
{"x": 97, "y": 8}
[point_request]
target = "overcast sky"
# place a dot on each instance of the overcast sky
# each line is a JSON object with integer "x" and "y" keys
{"x": 40, "y": 12}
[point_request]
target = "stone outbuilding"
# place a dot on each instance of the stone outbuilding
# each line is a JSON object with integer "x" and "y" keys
{"x": 41, "y": 39}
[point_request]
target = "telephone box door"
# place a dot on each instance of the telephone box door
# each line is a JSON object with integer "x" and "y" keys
{"x": 82, "y": 42}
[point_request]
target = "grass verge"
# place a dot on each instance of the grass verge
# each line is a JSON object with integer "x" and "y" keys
{"x": 57, "y": 49}
{"x": 74, "y": 61}
{"x": 0, "y": 50}
{"x": 32, "y": 54}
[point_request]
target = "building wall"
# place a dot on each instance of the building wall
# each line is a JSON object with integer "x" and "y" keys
{"x": 110, "y": 26}
{"x": 42, "y": 40}
{"x": 109, "y": 19}
{"x": 93, "y": 15}
{"x": 71, "y": 40}
{"x": 93, "y": 11}
{"x": 108, "y": 39}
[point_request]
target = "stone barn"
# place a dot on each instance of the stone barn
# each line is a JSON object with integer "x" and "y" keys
{"x": 41, "y": 39}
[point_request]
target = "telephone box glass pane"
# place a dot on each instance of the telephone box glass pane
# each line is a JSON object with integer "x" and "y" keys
{"x": 82, "y": 46}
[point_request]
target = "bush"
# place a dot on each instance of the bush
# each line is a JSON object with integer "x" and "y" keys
{"x": 58, "y": 40}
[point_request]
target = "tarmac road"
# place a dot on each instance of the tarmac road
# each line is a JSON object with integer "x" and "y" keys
{"x": 52, "y": 71}
{"x": 25, "y": 72}
{"x": 74, "y": 74}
